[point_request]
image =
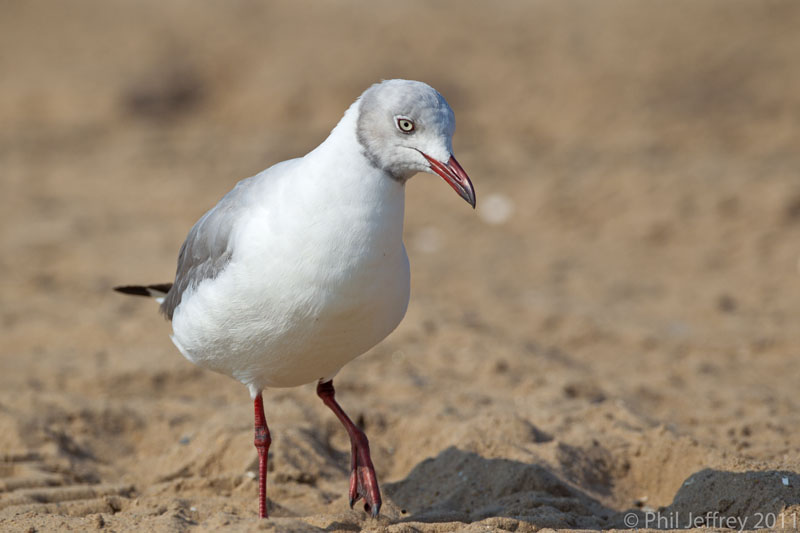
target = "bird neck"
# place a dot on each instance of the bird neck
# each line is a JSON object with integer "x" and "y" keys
{"x": 342, "y": 140}
{"x": 350, "y": 177}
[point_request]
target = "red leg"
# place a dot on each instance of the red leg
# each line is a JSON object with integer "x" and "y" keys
{"x": 363, "y": 481}
{"x": 262, "y": 442}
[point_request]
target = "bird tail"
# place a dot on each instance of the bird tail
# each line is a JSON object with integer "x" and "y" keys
{"x": 158, "y": 291}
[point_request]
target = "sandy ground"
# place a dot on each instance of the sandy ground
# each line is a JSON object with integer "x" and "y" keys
{"x": 610, "y": 341}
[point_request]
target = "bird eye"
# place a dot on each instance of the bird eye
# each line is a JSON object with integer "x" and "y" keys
{"x": 405, "y": 125}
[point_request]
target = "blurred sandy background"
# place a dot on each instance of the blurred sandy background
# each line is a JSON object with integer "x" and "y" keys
{"x": 614, "y": 330}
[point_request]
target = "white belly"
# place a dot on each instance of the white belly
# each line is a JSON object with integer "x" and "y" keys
{"x": 287, "y": 310}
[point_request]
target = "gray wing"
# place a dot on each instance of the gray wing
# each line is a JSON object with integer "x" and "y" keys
{"x": 207, "y": 251}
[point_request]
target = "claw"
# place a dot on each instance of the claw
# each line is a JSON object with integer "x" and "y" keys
{"x": 355, "y": 492}
{"x": 364, "y": 482}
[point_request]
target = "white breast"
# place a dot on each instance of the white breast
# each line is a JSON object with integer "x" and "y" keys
{"x": 318, "y": 276}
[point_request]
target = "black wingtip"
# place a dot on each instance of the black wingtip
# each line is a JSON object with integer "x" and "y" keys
{"x": 161, "y": 287}
{"x": 136, "y": 290}
{"x": 154, "y": 290}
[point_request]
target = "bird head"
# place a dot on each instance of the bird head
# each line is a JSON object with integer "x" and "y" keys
{"x": 405, "y": 127}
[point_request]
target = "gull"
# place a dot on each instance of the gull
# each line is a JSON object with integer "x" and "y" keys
{"x": 302, "y": 268}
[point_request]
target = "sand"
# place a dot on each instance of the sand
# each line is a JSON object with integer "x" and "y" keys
{"x": 610, "y": 341}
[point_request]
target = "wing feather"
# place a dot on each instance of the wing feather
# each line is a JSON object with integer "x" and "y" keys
{"x": 207, "y": 249}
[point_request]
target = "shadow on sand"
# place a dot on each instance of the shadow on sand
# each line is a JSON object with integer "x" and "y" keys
{"x": 465, "y": 487}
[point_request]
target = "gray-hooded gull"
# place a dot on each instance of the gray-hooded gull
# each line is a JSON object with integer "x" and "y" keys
{"x": 301, "y": 268}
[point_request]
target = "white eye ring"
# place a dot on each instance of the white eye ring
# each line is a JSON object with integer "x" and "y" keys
{"x": 405, "y": 125}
